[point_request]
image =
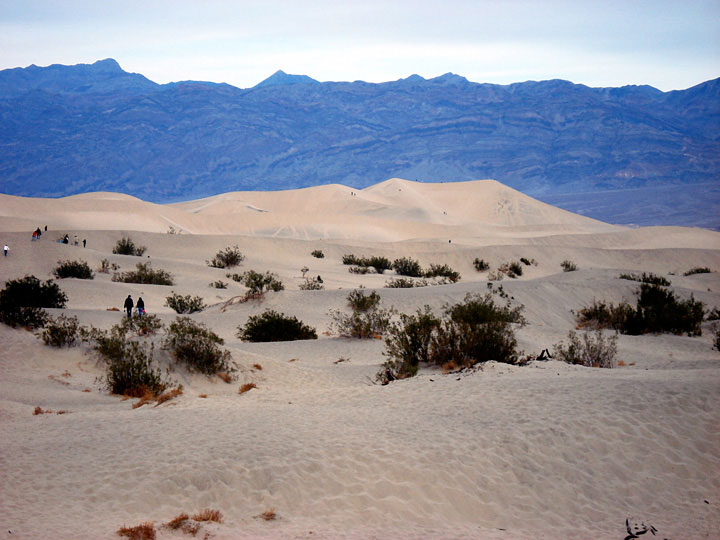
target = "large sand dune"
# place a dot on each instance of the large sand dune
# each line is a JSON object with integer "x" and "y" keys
{"x": 543, "y": 451}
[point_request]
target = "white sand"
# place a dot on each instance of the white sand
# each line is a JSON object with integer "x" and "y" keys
{"x": 543, "y": 451}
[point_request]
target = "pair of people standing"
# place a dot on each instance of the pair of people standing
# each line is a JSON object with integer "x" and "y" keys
{"x": 129, "y": 306}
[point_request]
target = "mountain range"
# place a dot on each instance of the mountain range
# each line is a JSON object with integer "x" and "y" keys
{"x": 95, "y": 127}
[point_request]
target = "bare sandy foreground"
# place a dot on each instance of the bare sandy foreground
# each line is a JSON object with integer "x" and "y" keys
{"x": 503, "y": 452}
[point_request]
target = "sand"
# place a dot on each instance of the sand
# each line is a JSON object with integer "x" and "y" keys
{"x": 543, "y": 451}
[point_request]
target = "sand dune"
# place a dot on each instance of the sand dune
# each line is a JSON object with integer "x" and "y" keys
{"x": 502, "y": 452}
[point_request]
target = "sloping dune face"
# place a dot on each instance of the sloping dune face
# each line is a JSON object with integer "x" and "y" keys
{"x": 394, "y": 210}
{"x": 546, "y": 450}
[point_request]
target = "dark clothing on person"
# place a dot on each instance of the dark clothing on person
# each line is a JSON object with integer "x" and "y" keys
{"x": 129, "y": 305}
{"x": 140, "y": 306}
{"x": 84, "y": 242}
{"x": 66, "y": 240}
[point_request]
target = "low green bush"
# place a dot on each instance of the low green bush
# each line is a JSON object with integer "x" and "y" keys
{"x": 379, "y": 264}
{"x": 405, "y": 283}
{"x": 195, "y": 346}
{"x": 442, "y": 270}
{"x": 480, "y": 265}
{"x": 698, "y": 270}
{"x": 22, "y": 300}
{"x": 141, "y": 325}
{"x": 646, "y": 278}
{"x": 359, "y": 301}
{"x": 366, "y": 320}
{"x": 145, "y": 275}
{"x": 475, "y": 330}
{"x": 218, "y": 284}
{"x": 599, "y": 315}
{"x": 184, "y": 304}
{"x": 274, "y": 326}
{"x": 73, "y": 269}
{"x": 568, "y": 266}
{"x": 60, "y": 332}
{"x": 593, "y": 350}
{"x": 226, "y": 258}
{"x": 258, "y": 283}
{"x": 318, "y": 254}
{"x": 311, "y": 284}
{"x": 125, "y": 246}
{"x": 361, "y": 270}
{"x": 406, "y": 266}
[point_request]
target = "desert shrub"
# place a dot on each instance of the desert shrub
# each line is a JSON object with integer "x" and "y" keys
{"x": 646, "y": 278}
{"x": 144, "y": 531}
{"x": 380, "y": 264}
{"x": 130, "y": 369}
{"x": 125, "y": 246}
{"x": 218, "y": 284}
{"x": 197, "y": 347}
{"x": 145, "y": 275}
{"x": 514, "y": 269}
{"x": 698, "y": 270}
{"x": 408, "y": 344}
{"x": 318, "y": 254}
{"x": 475, "y": 330}
{"x": 528, "y": 262}
{"x": 593, "y": 350}
{"x": 60, "y": 332}
{"x": 359, "y": 301}
{"x": 73, "y": 269}
{"x": 406, "y": 266}
{"x": 258, "y": 283}
{"x": 184, "y": 304}
{"x": 226, "y": 258}
{"x": 480, "y": 265}
{"x": 142, "y": 325}
{"x": 311, "y": 285}
{"x": 22, "y": 299}
{"x": 405, "y": 283}
{"x": 713, "y": 314}
{"x": 106, "y": 266}
{"x": 658, "y": 310}
{"x": 361, "y": 270}
{"x": 350, "y": 259}
{"x": 442, "y": 270}
{"x": 274, "y": 326}
{"x": 568, "y": 266}
{"x": 600, "y": 315}
{"x": 366, "y": 320}
{"x": 715, "y": 329}
{"x": 496, "y": 276}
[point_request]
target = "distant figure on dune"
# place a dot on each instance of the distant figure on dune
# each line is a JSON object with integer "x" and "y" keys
{"x": 66, "y": 239}
{"x": 140, "y": 306}
{"x": 39, "y": 232}
{"x": 76, "y": 240}
{"x": 34, "y": 237}
{"x": 84, "y": 242}
{"x": 6, "y": 249}
{"x": 45, "y": 228}
{"x": 129, "y": 306}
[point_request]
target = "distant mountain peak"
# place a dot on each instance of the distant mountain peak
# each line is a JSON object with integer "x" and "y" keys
{"x": 107, "y": 65}
{"x": 281, "y": 78}
{"x": 449, "y": 78}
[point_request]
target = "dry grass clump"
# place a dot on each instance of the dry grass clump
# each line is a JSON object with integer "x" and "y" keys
{"x": 257, "y": 366}
{"x": 40, "y": 410}
{"x": 268, "y": 515}
{"x": 144, "y": 531}
{"x": 149, "y": 396}
{"x": 247, "y": 387}
{"x": 178, "y": 521}
{"x": 209, "y": 514}
{"x": 202, "y": 395}
{"x": 225, "y": 376}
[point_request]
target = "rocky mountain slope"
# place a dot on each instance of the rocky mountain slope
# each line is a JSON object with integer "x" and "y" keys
{"x": 72, "y": 129}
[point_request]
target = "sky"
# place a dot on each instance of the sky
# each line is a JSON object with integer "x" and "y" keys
{"x": 667, "y": 44}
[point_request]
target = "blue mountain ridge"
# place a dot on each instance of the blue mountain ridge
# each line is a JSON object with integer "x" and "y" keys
{"x": 91, "y": 127}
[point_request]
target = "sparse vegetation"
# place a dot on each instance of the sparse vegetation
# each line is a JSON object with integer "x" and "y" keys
{"x": 219, "y": 284}
{"x": 106, "y": 266}
{"x": 60, "y": 332}
{"x": 568, "y": 266}
{"x": 713, "y": 314}
{"x": 258, "y": 283}
{"x": 141, "y": 325}
{"x": 379, "y": 264}
{"x": 442, "y": 270}
{"x": 195, "y": 346}
{"x": 311, "y": 285}
{"x": 209, "y": 515}
{"x": 184, "y": 304}
{"x": 318, "y": 254}
{"x": 646, "y": 278}
{"x": 593, "y": 350}
{"x": 73, "y": 269}
{"x": 22, "y": 300}
{"x": 405, "y": 283}
{"x": 145, "y": 275}
{"x": 528, "y": 262}
{"x": 227, "y": 258}
{"x": 658, "y": 310}
{"x": 144, "y": 531}
{"x": 274, "y": 326}
{"x": 406, "y": 266}
{"x": 361, "y": 270}
{"x": 366, "y": 320}
{"x": 480, "y": 265}
{"x": 473, "y": 331}
{"x": 715, "y": 329}
{"x": 268, "y": 515}
{"x": 125, "y": 246}
{"x": 698, "y": 270}
{"x": 247, "y": 387}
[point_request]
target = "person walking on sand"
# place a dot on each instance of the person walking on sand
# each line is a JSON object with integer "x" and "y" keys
{"x": 129, "y": 306}
{"x": 5, "y": 249}
{"x": 140, "y": 306}
{"x": 84, "y": 242}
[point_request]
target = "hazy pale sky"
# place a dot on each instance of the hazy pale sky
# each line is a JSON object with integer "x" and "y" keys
{"x": 665, "y": 43}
